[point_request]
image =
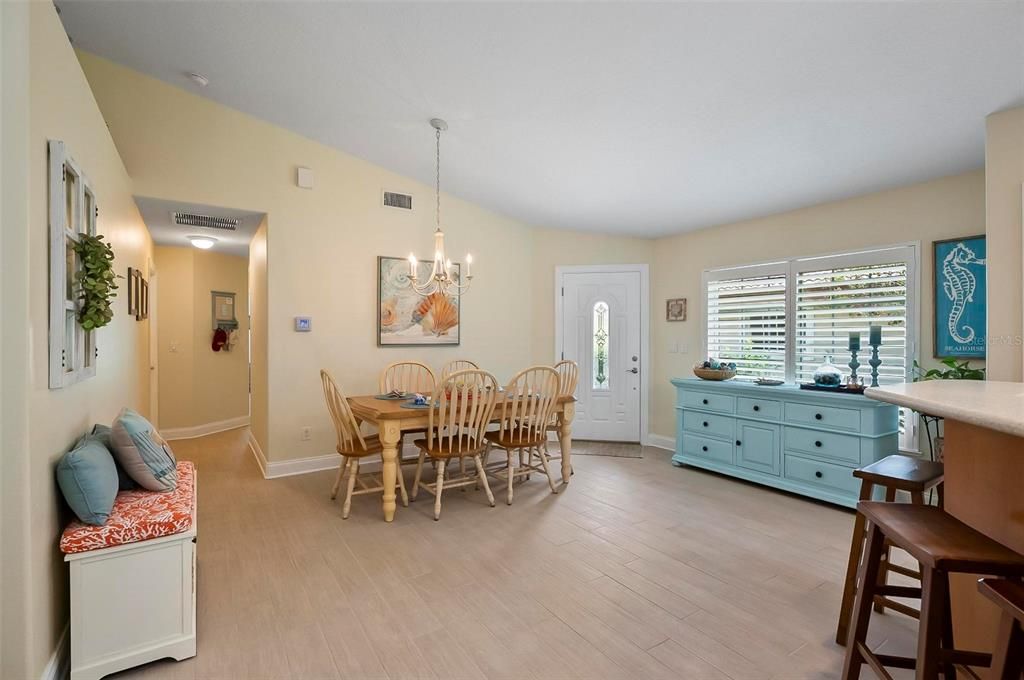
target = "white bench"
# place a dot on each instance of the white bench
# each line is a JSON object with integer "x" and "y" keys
{"x": 133, "y": 581}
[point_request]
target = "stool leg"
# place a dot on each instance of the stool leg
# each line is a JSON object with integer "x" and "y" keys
{"x": 867, "y": 577}
{"x": 856, "y": 550}
{"x": 929, "y": 635}
{"x": 883, "y": 573}
{"x": 949, "y": 669}
{"x": 1008, "y": 660}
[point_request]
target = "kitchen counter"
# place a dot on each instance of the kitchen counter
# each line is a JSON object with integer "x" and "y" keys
{"x": 992, "y": 405}
{"x": 984, "y": 477}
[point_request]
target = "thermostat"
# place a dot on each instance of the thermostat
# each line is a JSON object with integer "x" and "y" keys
{"x": 303, "y": 324}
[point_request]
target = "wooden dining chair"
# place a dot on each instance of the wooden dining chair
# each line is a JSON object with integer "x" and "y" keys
{"x": 568, "y": 378}
{"x": 353, "y": 445}
{"x": 456, "y": 429}
{"x": 410, "y": 377}
{"x": 456, "y": 365}
{"x": 529, "y": 405}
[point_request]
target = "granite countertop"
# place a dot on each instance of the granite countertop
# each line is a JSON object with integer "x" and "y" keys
{"x": 990, "y": 404}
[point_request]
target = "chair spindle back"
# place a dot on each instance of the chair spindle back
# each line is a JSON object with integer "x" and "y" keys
{"x": 465, "y": 404}
{"x": 456, "y": 365}
{"x": 408, "y": 376}
{"x": 568, "y": 377}
{"x": 530, "y": 400}
{"x": 345, "y": 425}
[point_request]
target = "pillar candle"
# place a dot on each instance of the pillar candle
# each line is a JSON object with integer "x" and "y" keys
{"x": 854, "y": 341}
{"x": 876, "y": 335}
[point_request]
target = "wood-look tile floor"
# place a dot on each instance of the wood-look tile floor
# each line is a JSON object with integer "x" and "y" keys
{"x": 637, "y": 569}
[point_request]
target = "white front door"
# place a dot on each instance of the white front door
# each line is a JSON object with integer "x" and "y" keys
{"x": 601, "y": 332}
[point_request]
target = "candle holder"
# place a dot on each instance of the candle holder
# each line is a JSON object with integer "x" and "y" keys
{"x": 854, "y": 365}
{"x": 874, "y": 362}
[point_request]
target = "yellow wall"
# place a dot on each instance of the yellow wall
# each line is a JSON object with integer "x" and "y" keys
{"x": 557, "y": 247}
{"x": 258, "y": 314}
{"x": 60, "y": 106}
{"x": 944, "y": 208}
{"x": 1004, "y": 183}
{"x": 199, "y": 386}
{"x": 322, "y": 244}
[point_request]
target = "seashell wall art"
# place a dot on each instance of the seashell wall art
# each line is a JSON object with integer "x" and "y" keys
{"x": 406, "y": 318}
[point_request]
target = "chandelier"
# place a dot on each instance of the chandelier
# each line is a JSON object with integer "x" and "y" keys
{"x": 442, "y": 277}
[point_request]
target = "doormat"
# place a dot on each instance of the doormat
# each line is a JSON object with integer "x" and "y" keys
{"x": 610, "y": 449}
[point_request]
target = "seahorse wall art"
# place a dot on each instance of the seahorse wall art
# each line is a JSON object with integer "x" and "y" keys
{"x": 959, "y": 275}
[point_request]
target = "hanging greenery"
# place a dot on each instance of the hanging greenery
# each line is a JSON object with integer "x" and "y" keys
{"x": 95, "y": 281}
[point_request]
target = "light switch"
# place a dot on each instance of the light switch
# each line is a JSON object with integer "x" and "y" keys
{"x": 303, "y": 324}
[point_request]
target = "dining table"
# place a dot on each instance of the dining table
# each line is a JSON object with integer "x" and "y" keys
{"x": 394, "y": 417}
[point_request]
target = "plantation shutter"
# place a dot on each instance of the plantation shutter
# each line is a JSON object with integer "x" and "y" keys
{"x": 839, "y": 294}
{"x": 746, "y": 320}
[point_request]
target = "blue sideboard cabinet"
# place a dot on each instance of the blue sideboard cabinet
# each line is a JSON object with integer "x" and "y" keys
{"x": 803, "y": 441}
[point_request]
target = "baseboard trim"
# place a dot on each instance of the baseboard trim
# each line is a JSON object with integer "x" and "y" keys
{"x": 661, "y": 441}
{"x": 274, "y": 469}
{"x": 257, "y": 453}
{"x": 57, "y": 667}
{"x": 205, "y": 428}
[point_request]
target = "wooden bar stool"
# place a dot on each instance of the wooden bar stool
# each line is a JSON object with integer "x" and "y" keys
{"x": 894, "y": 473}
{"x": 942, "y": 545}
{"x": 1008, "y": 661}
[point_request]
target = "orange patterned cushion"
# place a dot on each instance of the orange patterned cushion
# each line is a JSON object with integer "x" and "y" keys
{"x": 138, "y": 515}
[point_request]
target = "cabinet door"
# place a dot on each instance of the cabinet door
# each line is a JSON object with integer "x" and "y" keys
{"x": 757, "y": 446}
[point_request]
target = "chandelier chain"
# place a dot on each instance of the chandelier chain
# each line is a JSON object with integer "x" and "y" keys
{"x": 437, "y": 179}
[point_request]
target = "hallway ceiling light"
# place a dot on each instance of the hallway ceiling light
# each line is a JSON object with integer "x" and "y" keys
{"x": 443, "y": 278}
{"x": 202, "y": 242}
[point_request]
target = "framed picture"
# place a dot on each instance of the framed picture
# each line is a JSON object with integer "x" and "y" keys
{"x": 133, "y": 298}
{"x": 675, "y": 309}
{"x": 404, "y": 317}
{"x": 959, "y": 295}
{"x": 143, "y": 299}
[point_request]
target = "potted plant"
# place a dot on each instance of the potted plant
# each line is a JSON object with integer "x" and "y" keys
{"x": 954, "y": 370}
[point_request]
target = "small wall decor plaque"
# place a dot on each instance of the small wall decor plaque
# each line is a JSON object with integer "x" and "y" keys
{"x": 675, "y": 309}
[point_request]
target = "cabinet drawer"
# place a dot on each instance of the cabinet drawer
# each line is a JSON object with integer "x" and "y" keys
{"x": 708, "y": 424}
{"x": 704, "y": 447}
{"x": 824, "y": 416}
{"x": 835, "y": 478}
{"x": 709, "y": 401}
{"x": 842, "y": 447}
{"x": 759, "y": 408}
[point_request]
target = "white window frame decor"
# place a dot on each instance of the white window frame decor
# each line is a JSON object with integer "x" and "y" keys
{"x": 71, "y": 213}
{"x": 793, "y": 267}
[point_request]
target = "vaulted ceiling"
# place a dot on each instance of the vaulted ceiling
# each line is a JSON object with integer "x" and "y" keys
{"x": 631, "y": 118}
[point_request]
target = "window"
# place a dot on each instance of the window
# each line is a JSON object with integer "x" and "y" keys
{"x": 73, "y": 212}
{"x": 781, "y": 319}
{"x": 600, "y": 371}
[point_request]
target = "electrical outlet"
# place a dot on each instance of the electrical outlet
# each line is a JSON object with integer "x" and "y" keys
{"x": 305, "y": 434}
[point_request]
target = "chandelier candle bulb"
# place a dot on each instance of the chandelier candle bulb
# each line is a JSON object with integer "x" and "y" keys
{"x": 469, "y": 266}
{"x": 412, "y": 266}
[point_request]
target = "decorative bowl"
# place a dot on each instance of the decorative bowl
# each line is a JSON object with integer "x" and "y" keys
{"x": 713, "y": 374}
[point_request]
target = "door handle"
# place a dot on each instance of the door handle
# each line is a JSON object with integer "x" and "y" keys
{"x": 633, "y": 370}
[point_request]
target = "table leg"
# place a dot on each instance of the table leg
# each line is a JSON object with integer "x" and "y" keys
{"x": 390, "y": 438}
{"x": 565, "y": 439}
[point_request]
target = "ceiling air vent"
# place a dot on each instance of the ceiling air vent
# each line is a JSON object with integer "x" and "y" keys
{"x": 208, "y": 221}
{"x": 393, "y": 200}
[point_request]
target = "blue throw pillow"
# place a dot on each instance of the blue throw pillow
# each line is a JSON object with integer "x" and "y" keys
{"x": 124, "y": 482}
{"x": 88, "y": 479}
{"x": 142, "y": 452}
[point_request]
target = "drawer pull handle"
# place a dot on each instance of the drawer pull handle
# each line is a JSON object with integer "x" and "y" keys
{"x": 818, "y": 444}
{"x": 739, "y": 443}
{"x": 705, "y": 423}
{"x": 756, "y": 407}
{"x": 704, "y": 401}
{"x": 817, "y": 416}
{"x": 703, "y": 448}
{"x": 818, "y": 474}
